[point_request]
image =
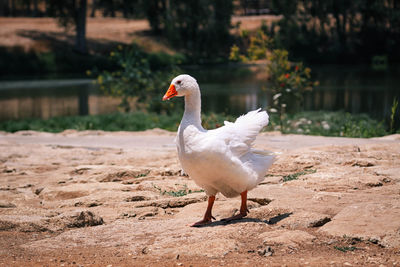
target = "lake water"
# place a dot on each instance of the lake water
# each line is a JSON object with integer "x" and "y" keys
{"x": 356, "y": 89}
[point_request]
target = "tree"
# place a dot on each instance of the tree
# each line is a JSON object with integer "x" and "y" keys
{"x": 341, "y": 30}
{"x": 72, "y": 12}
{"x": 200, "y": 27}
{"x": 139, "y": 76}
{"x": 4, "y": 8}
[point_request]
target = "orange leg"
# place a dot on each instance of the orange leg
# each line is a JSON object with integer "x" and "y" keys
{"x": 207, "y": 216}
{"x": 243, "y": 209}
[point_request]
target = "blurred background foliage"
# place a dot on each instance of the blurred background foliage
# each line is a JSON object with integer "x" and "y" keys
{"x": 203, "y": 33}
{"x": 311, "y": 30}
{"x": 138, "y": 78}
{"x": 338, "y": 30}
{"x": 199, "y": 27}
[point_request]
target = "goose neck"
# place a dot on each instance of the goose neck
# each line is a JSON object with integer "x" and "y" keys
{"x": 192, "y": 114}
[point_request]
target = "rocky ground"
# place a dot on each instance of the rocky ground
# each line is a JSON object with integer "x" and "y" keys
{"x": 119, "y": 199}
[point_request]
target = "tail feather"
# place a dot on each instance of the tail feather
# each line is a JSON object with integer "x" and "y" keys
{"x": 250, "y": 124}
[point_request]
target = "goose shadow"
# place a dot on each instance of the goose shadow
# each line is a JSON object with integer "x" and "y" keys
{"x": 270, "y": 221}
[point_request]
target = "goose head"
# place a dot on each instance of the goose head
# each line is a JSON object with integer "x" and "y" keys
{"x": 181, "y": 85}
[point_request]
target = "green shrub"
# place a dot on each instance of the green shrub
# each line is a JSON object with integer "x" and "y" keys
{"x": 310, "y": 122}
{"x": 288, "y": 82}
{"x": 251, "y": 47}
{"x": 139, "y": 76}
{"x": 330, "y": 124}
{"x": 134, "y": 121}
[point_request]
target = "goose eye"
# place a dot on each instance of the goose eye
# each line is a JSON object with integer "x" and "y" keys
{"x": 178, "y": 82}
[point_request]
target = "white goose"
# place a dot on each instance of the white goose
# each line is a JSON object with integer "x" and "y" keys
{"x": 219, "y": 160}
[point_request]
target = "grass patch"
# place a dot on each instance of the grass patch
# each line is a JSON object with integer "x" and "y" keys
{"x": 330, "y": 124}
{"x": 135, "y": 121}
{"x": 142, "y": 174}
{"x": 309, "y": 123}
{"x": 178, "y": 193}
{"x": 345, "y": 249}
{"x": 296, "y": 175}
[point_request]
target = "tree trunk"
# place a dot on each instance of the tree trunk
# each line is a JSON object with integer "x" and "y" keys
{"x": 4, "y": 8}
{"x": 112, "y": 11}
{"x": 35, "y": 8}
{"x": 126, "y": 8}
{"x": 28, "y": 10}
{"x": 80, "y": 23}
{"x": 94, "y": 7}
{"x": 47, "y": 8}
{"x": 12, "y": 12}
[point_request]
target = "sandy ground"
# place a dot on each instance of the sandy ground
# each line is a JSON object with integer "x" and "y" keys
{"x": 118, "y": 199}
{"x": 41, "y": 34}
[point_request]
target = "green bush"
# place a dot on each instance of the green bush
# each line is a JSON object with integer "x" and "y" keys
{"x": 139, "y": 76}
{"x": 310, "y": 123}
{"x": 327, "y": 123}
{"x": 288, "y": 82}
{"x": 134, "y": 121}
{"x": 250, "y": 47}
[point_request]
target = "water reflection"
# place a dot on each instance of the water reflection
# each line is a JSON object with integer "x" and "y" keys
{"x": 349, "y": 89}
{"x": 234, "y": 98}
{"x": 52, "y": 98}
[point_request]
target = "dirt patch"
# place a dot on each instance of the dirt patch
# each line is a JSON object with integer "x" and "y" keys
{"x": 40, "y": 34}
{"x": 130, "y": 205}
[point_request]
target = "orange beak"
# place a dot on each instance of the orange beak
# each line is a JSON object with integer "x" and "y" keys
{"x": 170, "y": 93}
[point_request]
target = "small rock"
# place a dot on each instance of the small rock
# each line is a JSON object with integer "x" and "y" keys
{"x": 78, "y": 204}
{"x": 287, "y": 237}
{"x": 170, "y": 173}
{"x": 145, "y": 250}
{"x": 347, "y": 264}
{"x": 374, "y": 184}
{"x": 7, "y": 205}
{"x": 261, "y": 201}
{"x": 89, "y": 205}
{"x": 320, "y": 222}
{"x": 128, "y": 215}
{"x": 136, "y": 198}
{"x": 85, "y": 218}
{"x": 266, "y": 252}
{"x": 38, "y": 190}
{"x": 148, "y": 214}
{"x": 374, "y": 240}
{"x": 332, "y": 241}
{"x": 94, "y": 204}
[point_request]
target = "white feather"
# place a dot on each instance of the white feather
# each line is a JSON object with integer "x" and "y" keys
{"x": 220, "y": 160}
